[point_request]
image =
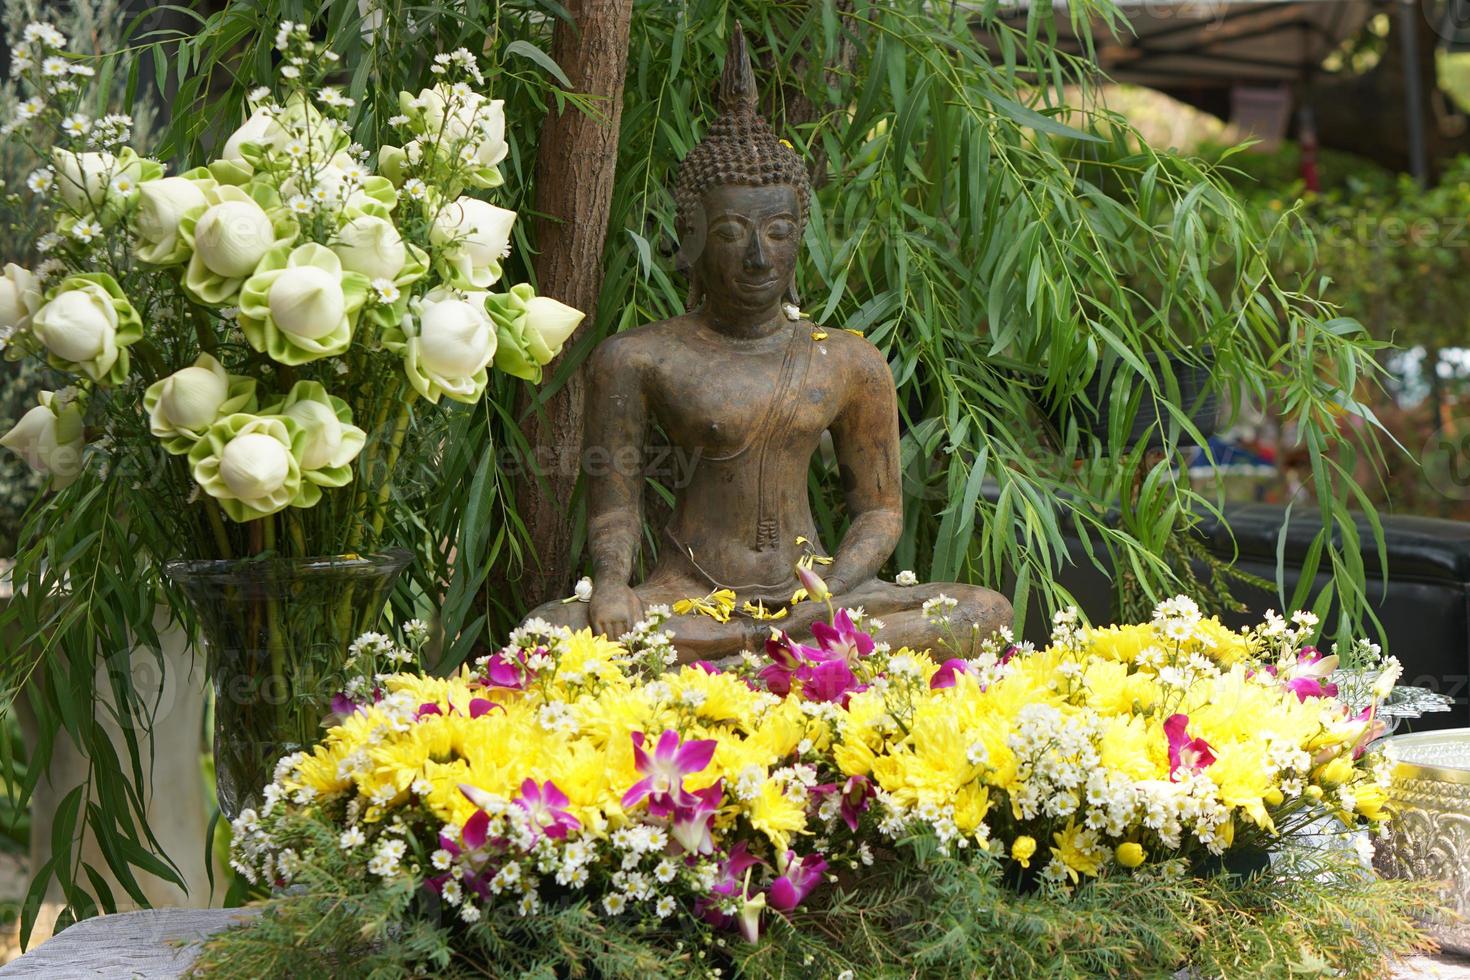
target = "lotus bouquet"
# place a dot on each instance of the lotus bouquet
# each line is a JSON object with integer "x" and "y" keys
{"x": 256, "y": 312}
{"x": 258, "y": 343}
{"x": 560, "y": 775}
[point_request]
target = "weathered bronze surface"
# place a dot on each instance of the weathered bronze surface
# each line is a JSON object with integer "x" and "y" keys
{"x": 744, "y": 391}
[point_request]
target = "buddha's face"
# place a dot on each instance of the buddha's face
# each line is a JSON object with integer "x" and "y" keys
{"x": 752, "y": 236}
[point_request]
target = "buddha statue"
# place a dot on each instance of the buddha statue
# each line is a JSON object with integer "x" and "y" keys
{"x": 744, "y": 389}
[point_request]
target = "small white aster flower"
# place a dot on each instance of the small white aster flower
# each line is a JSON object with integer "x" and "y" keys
{"x": 40, "y": 181}
{"x": 290, "y": 72}
{"x": 123, "y": 184}
{"x": 352, "y": 837}
{"x": 386, "y": 290}
{"x": 86, "y": 231}
{"x": 54, "y": 66}
{"x": 299, "y": 204}
{"x": 76, "y": 124}
{"x": 295, "y": 149}
{"x": 30, "y": 108}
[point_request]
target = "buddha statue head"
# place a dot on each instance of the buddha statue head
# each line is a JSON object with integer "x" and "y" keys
{"x": 742, "y": 196}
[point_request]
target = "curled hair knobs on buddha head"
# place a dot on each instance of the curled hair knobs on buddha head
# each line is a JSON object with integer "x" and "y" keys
{"x": 739, "y": 148}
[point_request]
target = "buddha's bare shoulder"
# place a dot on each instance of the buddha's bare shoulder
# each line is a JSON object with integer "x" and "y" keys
{"x": 856, "y": 351}
{"x": 641, "y": 347}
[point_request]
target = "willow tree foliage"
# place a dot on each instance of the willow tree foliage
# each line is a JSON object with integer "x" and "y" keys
{"x": 994, "y": 231}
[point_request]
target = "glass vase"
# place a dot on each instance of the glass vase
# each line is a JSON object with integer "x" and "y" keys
{"x": 276, "y": 633}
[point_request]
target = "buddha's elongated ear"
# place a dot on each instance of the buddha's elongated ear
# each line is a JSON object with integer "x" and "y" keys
{"x": 692, "y": 229}
{"x": 791, "y": 296}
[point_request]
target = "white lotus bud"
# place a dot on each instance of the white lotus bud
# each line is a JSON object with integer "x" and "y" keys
{"x": 456, "y": 338}
{"x": 83, "y": 178}
{"x": 552, "y": 320}
{"x": 46, "y": 445}
{"x": 323, "y": 433}
{"x": 583, "y": 591}
{"x": 479, "y": 230}
{"x": 162, "y": 203}
{"x": 307, "y": 301}
{"x": 190, "y": 398}
{"x": 77, "y": 325}
{"x": 254, "y": 465}
{"x": 492, "y": 147}
{"x": 20, "y": 296}
{"x": 260, "y": 128}
{"x": 371, "y": 246}
{"x": 231, "y": 237}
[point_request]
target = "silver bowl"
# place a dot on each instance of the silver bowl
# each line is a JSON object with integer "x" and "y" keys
{"x": 1429, "y": 835}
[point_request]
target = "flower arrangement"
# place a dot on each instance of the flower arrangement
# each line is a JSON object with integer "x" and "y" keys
{"x": 260, "y": 327}
{"x": 568, "y": 769}
{"x": 257, "y": 345}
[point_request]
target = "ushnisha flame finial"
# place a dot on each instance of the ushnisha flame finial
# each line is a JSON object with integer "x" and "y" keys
{"x": 737, "y": 92}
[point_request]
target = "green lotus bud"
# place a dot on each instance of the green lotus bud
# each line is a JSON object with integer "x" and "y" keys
{"x": 84, "y": 179}
{"x": 254, "y": 465}
{"x": 261, "y": 128}
{"x": 307, "y": 301}
{"x": 455, "y": 338}
{"x": 190, "y": 399}
{"x": 553, "y": 321}
{"x": 232, "y": 237}
{"x": 49, "y": 439}
{"x": 323, "y": 430}
{"x": 161, "y": 205}
{"x": 78, "y": 325}
{"x": 20, "y": 296}
{"x": 371, "y": 246}
{"x": 474, "y": 237}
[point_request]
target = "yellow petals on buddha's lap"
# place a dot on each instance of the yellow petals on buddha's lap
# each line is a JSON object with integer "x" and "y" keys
{"x": 758, "y": 610}
{"x": 718, "y": 605}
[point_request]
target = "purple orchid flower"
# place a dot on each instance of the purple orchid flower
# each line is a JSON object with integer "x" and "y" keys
{"x": 1311, "y": 687}
{"x": 427, "y": 708}
{"x": 829, "y": 680}
{"x": 945, "y": 675}
{"x": 506, "y": 668}
{"x": 801, "y": 876}
{"x": 787, "y": 657}
{"x": 343, "y": 706}
{"x": 1185, "y": 753}
{"x": 842, "y": 638}
{"x": 663, "y": 772}
{"x": 706, "y": 666}
{"x": 480, "y": 706}
{"x": 855, "y": 794}
{"x": 546, "y": 805}
{"x": 691, "y": 826}
{"x": 729, "y": 882}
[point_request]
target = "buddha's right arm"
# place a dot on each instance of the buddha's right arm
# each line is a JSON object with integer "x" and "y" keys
{"x": 617, "y": 418}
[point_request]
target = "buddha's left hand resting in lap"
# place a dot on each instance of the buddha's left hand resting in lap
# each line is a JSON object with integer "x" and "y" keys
{"x": 744, "y": 389}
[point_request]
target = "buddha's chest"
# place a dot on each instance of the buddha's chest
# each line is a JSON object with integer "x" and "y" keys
{"x": 719, "y": 403}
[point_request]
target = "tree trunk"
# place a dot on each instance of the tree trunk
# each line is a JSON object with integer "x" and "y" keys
{"x": 575, "y": 165}
{"x": 1364, "y": 114}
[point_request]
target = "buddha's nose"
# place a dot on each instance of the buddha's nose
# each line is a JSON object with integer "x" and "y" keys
{"x": 755, "y": 256}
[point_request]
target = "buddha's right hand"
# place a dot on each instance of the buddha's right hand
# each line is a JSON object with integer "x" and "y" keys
{"x": 614, "y": 610}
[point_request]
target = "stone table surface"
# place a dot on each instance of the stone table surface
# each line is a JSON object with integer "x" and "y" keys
{"x": 159, "y": 944}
